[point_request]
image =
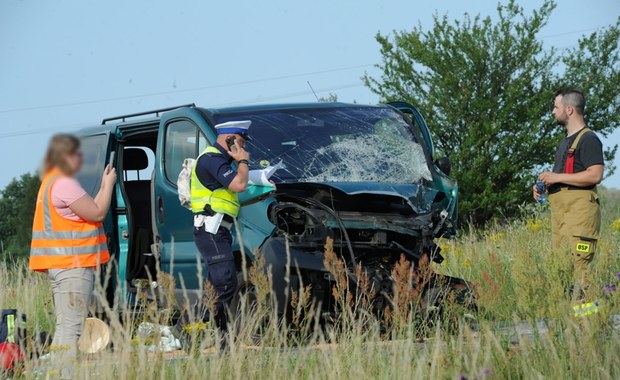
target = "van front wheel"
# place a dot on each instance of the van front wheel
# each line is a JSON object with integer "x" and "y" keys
{"x": 244, "y": 301}
{"x": 249, "y": 318}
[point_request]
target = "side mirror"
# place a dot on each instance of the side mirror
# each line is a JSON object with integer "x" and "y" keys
{"x": 444, "y": 165}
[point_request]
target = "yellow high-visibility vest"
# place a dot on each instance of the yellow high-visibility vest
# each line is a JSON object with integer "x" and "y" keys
{"x": 222, "y": 200}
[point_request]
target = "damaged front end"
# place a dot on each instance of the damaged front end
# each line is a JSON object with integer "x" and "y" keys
{"x": 362, "y": 177}
{"x": 371, "y": 225}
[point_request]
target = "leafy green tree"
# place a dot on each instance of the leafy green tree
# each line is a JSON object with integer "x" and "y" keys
{"x": 329, "y": 98}
{"x": 17, "y": 204}
{"x": 486, "y": 88}
{"x": 595, "y": 66}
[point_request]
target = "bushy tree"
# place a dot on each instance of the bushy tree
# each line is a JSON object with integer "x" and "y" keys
{"x": 329, "y": 98}
{"x": 17, "y": 204}
{"x": 486, "y": 88}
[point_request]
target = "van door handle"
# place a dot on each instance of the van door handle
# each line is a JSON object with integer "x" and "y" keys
{"x": 160, "y": 209}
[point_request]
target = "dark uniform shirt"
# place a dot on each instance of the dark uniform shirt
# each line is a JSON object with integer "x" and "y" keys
{"x": 589, "y": 152}
{"x": 213, "y": 169}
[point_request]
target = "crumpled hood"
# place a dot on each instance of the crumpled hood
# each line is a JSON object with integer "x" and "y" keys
{"x": 419, "y": 197}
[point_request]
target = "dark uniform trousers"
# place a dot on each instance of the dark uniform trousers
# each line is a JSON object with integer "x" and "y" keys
{"x": 216, "y": 252}
{"x": 575, "y": 228}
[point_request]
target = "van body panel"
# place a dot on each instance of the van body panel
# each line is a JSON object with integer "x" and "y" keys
{"x": 122, "y": 231}
{"x": 254, "y": 226}
{"x": 179, "y": 255}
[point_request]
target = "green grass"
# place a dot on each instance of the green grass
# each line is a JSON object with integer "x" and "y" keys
{"x": 517, "y": 277}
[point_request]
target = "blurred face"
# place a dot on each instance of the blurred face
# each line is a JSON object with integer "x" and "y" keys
{"x": 560, "y": 111}
{"x": 74, "y": 161}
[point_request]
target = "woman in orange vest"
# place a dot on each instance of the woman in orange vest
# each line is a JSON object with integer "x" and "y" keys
{"x": 68, "y": 241}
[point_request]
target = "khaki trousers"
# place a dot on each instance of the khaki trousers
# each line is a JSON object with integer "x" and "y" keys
{"x": 575, "y": 228}
{"x": 72, "y": 290}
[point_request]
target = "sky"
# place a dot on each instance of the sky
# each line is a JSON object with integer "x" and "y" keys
{"x": 70, "y": 63}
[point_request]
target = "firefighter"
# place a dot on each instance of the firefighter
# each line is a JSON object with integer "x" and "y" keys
{"x": 214, "y": 202}
{"x": 574, "y": 201}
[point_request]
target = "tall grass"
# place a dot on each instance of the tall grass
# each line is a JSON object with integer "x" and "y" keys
{"x": 516, "y": 274}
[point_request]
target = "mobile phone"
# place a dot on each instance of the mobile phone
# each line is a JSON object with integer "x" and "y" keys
{"x": 230, "y": 141}
{"x": 112, "y": 157}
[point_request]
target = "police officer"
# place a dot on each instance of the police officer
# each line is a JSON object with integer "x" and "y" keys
{"x": 214, "y": 188}
{"x": 574, "y": 201}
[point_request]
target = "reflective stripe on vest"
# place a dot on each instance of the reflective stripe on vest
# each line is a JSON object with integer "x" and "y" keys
{"x": 586, "y": 309}
{"x": 67, "y": 251}
{"x": 58, "y": 242}
{"x": 221, "y": 200}
{"x": 10, "y": 328}
{"x": 569, "y": 165}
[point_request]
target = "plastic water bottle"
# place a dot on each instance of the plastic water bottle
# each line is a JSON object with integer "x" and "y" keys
{"x": 542, "y": 190}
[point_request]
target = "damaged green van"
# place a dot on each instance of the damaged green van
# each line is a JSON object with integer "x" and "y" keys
{"x": 364, "y": 176}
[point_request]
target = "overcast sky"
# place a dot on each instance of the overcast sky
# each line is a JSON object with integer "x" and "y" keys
{"x": 67, "y": 64}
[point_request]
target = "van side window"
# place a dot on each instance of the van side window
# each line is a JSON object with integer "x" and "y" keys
{"x": 202, "y": 142}
{"x": 183, "y": 140}
{"x": 95, "y": 148}
{"x": 139, "y": 162}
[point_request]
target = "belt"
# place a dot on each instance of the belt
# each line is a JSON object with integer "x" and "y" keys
{"x": 227, "y": 222}
{"x": 556, "y": 189}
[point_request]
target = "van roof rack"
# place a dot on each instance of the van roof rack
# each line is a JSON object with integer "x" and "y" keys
{"x": 156, "y": 112}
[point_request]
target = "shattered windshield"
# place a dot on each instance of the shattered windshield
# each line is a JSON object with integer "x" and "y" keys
{"x": 340, "y": 144}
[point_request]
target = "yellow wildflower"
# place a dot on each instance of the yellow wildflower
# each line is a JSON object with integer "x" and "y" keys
{"x": 615, "y": 225}
{"x": 195, "y": 327}
{"x": 496, "y": 237}
{"x": 535, "y": 225}
{"x": 466, "y": 263}
{"x": 444, "y": 245}
{"x": 459, "y": 251}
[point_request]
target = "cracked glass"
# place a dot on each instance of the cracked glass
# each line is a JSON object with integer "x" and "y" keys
{"x": 336, "y": 144}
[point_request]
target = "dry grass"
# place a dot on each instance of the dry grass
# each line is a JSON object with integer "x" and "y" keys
{"x": 517, "y": 277}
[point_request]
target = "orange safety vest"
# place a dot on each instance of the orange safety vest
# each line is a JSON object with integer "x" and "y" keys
{"x": 59, "y": 243}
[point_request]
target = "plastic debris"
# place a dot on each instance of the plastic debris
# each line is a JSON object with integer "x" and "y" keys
{"x": 166, "y": 342}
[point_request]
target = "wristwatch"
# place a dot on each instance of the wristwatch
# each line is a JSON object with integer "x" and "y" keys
{"x": 243, "y": 162}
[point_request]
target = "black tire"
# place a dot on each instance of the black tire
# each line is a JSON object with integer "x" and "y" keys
{"x": 244, "y": 299}
{"x": 242, "y": 311}
{"x": 448, "y": 304}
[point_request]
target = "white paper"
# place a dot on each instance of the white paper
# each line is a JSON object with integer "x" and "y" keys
{"x": 199, "y": 220}
{"x": 260, "y": 177}
{"x": 212, "y": 223}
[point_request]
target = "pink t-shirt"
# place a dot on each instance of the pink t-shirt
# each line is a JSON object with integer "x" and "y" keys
{"x": 65, "y": 191}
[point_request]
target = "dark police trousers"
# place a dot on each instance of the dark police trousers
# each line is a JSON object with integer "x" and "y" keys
{"x": 216, "y": 251}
